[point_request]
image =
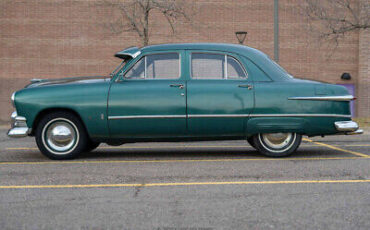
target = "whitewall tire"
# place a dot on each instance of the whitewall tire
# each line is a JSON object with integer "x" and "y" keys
{"x": 277, "y": 144}
{"x": 61, "y": 135}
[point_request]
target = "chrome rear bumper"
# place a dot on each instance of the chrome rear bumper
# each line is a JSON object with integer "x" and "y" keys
{"x": 348, "y": 127}
{"x": 19, "y": 126}
{"x": 358, "y": 131}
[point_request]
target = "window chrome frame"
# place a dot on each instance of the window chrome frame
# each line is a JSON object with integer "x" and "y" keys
{"x": 123, "y": 78}
{"x": 225, "y": 75}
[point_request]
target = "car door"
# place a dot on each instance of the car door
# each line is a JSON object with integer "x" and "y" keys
{"x": 219, "y": 94}
{"x": 148, "y": 99}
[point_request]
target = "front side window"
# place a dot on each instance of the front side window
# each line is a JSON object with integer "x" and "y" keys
{"x": 156, "y": 66}
{"x": 215, "y": 66}
{"x": 118, "y": 68}
{"x": 138, "y": 70}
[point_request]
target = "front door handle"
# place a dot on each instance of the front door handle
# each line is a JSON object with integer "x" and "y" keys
{"x": 248, "y": 86}
{"x": 181, "y": 86}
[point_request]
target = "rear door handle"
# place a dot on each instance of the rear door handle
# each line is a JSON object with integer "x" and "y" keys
{"x": 181, "y": 86}
{"x": 248, "y": 86}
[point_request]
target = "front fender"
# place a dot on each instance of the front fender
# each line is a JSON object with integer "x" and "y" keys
{"x": 89, "y": 101}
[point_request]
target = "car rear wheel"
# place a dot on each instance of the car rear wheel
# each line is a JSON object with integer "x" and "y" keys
{"x": 277, "y": 144}
{"x": 61, "y": 135}
{"x": 251, "y": 141}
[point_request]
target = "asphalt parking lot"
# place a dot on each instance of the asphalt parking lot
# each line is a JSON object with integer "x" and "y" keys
{"x": 197, "y": 185}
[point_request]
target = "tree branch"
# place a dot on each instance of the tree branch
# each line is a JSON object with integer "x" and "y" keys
{"x": 336, "y": 17}
{"x": 135, "y": 15}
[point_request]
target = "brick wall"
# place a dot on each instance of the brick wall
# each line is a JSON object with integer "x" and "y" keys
{"x": 63, "y": 38}
{"x": 363, "y": 83}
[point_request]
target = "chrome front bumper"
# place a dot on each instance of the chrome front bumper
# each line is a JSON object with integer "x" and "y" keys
{"x": 348, "y": 127}
{"x": 19, "y": 126}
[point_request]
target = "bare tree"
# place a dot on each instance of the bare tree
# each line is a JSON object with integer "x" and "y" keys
{"x": 333, "y": 19}
{"x": 134, "y": 15}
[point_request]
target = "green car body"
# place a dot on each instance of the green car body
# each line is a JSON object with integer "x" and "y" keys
{"x": 119, "y": 109}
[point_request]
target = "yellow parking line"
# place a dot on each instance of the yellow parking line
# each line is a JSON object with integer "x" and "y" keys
{"x": 181, "y": 184}
{"x": 21, "y": 148}
{"x": 177, "y": 161}
{"x": 337, "y": 148}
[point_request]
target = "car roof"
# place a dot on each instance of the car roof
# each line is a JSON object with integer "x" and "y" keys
{"x": 225, "y": 47}
{"x": 247, "y": 51}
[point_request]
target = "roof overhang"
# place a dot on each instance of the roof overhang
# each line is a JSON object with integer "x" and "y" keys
{"x": 131, "y": 52}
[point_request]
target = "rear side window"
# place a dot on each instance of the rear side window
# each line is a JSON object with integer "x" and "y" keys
{"x": 207, "y": 66}
{"x": 215, "y": 66}
{"x": 156, "y": 66}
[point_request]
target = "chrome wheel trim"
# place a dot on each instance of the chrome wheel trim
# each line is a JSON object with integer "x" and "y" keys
{"x": 60, "y": 136}
{"x": 277, "y": 142}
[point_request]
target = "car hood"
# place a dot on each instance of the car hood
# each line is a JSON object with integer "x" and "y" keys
{"x": 67, "y": 81}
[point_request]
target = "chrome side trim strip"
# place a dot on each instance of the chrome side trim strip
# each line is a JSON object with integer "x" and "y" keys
{"x": 224, "y": 115}
{"x": 217, "y": 115}
{"x": 325, "y": 98}
{"x": 300, "y": 115}
{"x": 266, "y": 115}
{"x": 145, "y": 117}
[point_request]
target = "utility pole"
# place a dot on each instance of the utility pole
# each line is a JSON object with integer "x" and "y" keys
{"x": 276, "y": 30}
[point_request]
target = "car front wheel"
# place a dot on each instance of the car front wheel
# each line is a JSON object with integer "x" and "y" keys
{"x": 61, "y": 135}
{"x": 91, "y": 145}
{"x": 277, "y": 144}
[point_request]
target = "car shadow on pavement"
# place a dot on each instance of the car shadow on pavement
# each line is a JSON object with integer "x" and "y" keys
{"x": 165, "y": 153}
{"x": 201, "y": 153}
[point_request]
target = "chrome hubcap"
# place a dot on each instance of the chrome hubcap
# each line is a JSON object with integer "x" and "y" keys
{"x": 277, "y": 140}
{"x": 60, "y": 136}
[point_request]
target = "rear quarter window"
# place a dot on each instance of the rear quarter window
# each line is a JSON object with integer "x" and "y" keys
{"x": 257, "y": 74}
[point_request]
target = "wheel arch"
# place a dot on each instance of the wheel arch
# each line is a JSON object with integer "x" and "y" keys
{"x": 46, "y": 111}
{"x": 276, "y": 124}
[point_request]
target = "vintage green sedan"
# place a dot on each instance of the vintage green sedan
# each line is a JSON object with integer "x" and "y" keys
{"x": 181, "y": 92}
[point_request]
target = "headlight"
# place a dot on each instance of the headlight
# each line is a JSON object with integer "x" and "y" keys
{"x": 12, "y": 98}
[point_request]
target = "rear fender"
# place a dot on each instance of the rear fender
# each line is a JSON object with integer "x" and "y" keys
{"x": 276, "y": 125}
